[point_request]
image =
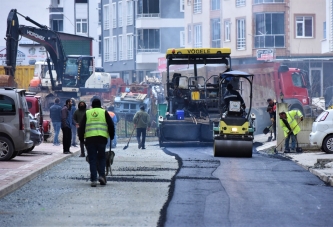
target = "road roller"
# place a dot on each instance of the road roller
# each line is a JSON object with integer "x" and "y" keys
{"x": 233, "y": 134}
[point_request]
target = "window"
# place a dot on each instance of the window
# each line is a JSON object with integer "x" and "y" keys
{"x": 324, "y": 30}
{"x": 269, "y": 30}
{"x": 99, "y": 45}
{"x": 106, "y": 49}
{"x": 99, "y": 15}
{"x": 129, "y": 12}
{"x": 267, "y": 1}
{"x": 120, "y": 46}
{"x": 120, "y": 14}
{"x": 114, "y": 48}
{"x": 58, "y": 25}
{"x": 114, "y": 15}
{"x": 304, "y": 27}
{"x": 81, "y": 26}
{"x": 7, "y": 105}
{"x": 182, "y": 39}
{"x": 106, "y": 17}
{"x": 182, "y": 5}
{"x": 241, "y": 41}
{"x": 240, "y": 3}
{"x": 149, "y": 40}
{"x": 197, "y": 35}
{"x": 148, "y": 8}
{"x": 189, "y": 33}
{"x": 197, "y": 6}
{"x": 216, "y": 32}
{"x": 129, "y": 46}
{"x": 227, "y": 30}
{"x": 215, "y": 4}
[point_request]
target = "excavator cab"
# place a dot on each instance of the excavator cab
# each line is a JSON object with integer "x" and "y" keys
{"x": 233, "y": 135}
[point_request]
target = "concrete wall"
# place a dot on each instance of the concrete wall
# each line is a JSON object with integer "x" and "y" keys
{"x": 302, "y": 137}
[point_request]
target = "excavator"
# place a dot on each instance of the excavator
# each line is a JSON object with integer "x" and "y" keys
{"x": 75, "y": 74}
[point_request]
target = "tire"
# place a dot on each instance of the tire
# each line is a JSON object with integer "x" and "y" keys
{"x": 296, "y": 107}
{"x": 46, "y": 137}
{"x": 30, "y": 149}
{"x": 6, "y": 149}
{"x": 15, "y": 153}
{"x": 328, "y": 144}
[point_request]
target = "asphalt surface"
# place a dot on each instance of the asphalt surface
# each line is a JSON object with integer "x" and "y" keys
{"x": 62, "y": 195}
{"x": 148, "y": 173}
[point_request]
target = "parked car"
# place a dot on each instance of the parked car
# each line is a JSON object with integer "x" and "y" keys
{"x": 14, "y": 123}
{"x": 35, "y": 134}
{"x": 35, "y": 108}
{"x": 322, "y": 131}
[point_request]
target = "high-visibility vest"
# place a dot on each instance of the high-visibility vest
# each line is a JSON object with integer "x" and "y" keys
{"x": 96, "y": 123}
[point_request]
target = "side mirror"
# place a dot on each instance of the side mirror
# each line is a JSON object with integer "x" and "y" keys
{"x": 253, "y": 116}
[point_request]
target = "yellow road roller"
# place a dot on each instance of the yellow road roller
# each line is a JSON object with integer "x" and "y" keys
{"x": 233, "y": 134}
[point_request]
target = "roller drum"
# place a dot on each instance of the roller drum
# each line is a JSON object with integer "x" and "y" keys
{"x": 233, "y": 148}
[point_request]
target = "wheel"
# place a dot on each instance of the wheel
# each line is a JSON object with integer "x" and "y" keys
{"x": 328, "y": 144}
{"x": 46, "y": 137}
{"x": 297, "y": 107}
{"x": 6, "y": 149}
{"x": 30, "y": 149}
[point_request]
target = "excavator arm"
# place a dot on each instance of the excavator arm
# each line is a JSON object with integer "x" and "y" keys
{"x": 41, "y": 34}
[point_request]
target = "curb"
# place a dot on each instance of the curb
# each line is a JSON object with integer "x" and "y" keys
{"x": 31, "y": 175}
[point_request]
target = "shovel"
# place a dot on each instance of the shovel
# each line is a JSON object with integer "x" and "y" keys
{"x": 266, "y": 130}
{"x": 129, "y": 139}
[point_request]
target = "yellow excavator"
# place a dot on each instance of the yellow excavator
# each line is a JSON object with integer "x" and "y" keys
{"x": 234, "y": 133}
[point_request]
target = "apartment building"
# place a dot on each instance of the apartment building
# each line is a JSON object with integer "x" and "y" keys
{"x": 79, "y": 17}
{"x": 136, "y": 33}
{"x": 327, "y": 43}
{"x": 290, "y": 31}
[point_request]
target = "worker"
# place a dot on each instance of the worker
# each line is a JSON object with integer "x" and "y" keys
{"x": 73, "y": 123}
{"x": 271, "y": 109}
{"x": 66, "y": 122}
{"x": 77, "y": 117}
{"x": 232, "y": 95}
{"x": 94, "y": 130}
{"x": 115, "y": 121}
{"x": 290, "y": 128}
{"x": 55, "y": 115}
{"x": 141, "y": 120}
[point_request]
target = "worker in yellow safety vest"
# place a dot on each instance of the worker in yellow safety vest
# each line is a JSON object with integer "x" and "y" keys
{"x": 95, "y": 129}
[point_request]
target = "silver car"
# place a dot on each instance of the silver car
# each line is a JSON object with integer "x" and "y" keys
{"x": 14, "y": 123}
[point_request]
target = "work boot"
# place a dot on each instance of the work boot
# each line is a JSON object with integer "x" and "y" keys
{"x": 139, "y": 145}
{"x": 93, "y": 184}
{"x": 102, "y": 180}
{"x": 82, "y": 155}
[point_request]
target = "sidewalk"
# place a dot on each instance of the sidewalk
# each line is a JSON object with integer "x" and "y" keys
{"x": 317, "y": 162}
{"x": 22, "y": 169}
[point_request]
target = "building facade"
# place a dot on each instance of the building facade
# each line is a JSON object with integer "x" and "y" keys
{"x": 79, "y": 17}
{"x": 290, "y": 31}
{"x": 137, "y": 33}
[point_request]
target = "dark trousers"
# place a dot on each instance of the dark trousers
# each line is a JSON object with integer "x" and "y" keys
{"x": 66, "y": 138}
{"x": 96, "y": 153}
{"x": 141, "y": 132}
{"x": 81, "y": 144}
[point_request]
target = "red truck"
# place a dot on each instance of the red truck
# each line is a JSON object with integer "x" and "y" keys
{"x": 35, "y": 108}
{"x": 276, "y": 81}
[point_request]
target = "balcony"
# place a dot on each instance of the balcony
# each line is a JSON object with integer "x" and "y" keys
{"x": 269, "y": 41}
